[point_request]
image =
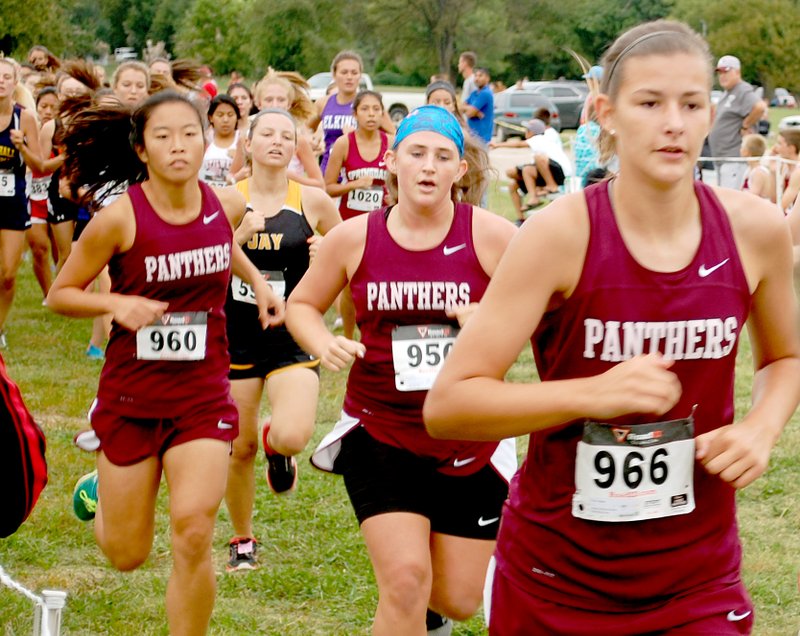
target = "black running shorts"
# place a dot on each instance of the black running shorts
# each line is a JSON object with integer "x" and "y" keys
{"x": 380, "y": 478}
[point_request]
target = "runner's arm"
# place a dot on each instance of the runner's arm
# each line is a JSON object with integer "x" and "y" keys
{"x": 471, "y": 400}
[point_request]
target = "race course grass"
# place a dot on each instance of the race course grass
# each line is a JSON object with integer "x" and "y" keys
{"x": 315, "y": 577}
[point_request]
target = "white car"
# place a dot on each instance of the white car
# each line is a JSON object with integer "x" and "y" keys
{"x": 397, "y": 103}
{"x": 125, "y": 53}
{"x": 319, "y": 84}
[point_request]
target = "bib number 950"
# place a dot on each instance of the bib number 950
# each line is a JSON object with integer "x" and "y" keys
{"x": 418, "y": 352}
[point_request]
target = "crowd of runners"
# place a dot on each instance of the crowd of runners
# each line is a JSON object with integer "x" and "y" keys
{"x": 208, "y": 234}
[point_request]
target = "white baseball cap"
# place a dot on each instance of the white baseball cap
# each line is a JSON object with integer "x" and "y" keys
{"x": 728, "y": 62}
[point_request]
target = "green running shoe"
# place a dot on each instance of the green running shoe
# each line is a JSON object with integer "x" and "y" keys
{"x": 84, "y": 497}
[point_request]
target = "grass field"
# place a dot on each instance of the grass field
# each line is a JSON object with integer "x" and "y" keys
{"x": 315, "y": 577}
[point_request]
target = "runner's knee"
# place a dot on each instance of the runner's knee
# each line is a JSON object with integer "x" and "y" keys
{"x": 289, "y": 441}
{"x": 126, "y": 554}
{"x": 191, "y": 537}
{"x": 459, "y": 602}
{"x": 407, "y": 586}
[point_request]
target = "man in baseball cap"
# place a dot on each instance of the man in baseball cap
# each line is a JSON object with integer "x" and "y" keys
{"x": 728, "y": 62}
{"x": 738, "y": 110}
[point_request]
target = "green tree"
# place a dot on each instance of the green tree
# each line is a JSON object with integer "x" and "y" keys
{"x": 763, "y": 34}
{"x": 22, "y": 27}
{"x": 545, "y": 30}
{"x": 300, "y": 35}
{"x": 167, "y": 20}
{"x": 211, "y": 32}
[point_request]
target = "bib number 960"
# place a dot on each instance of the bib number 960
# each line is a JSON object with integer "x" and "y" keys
{"x": 179, "y": 336}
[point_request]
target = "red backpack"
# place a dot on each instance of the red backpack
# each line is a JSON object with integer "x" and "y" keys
{"x": 23, "y": 468}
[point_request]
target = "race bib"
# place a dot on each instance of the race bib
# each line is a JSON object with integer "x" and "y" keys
{"x": 365, "y": 199}
{"x": 37, "y": 188}
{"x": 243, "y": 292}
{"x": 7, "y": 184}
{"x": 178, "y": 336}
{"x": 418, "y": 352}
{"x": 632, "y": 473}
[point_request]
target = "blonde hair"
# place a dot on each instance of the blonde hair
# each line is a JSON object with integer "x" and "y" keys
{"x": 755, "y": 145}
{"x": 660, "y": 37}
{"x": 131, "y": 64}
{"x": 13, "y": 64}
{"x": 300, "y": 106}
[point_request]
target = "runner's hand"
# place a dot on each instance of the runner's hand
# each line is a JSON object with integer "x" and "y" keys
{"x": 313, "y": 246}
{"x": 643, "y": 384}
{"x": 18, "y": 138}
{"x": 252, "y": 222}
{"x": 738, "y": 453}
{"x": 462, "y": 313}
{"x": 271, "y": 307}
{"x": 135, "y": 312}
{"x": 340, "y": 352}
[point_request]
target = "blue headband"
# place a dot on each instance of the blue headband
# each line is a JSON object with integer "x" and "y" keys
{"x": 435, "y": 119}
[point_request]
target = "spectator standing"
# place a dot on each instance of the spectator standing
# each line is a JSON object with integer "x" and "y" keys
{"x": 466, "y": 65}
{"x": 738, "y": 110}
{"x": 479, "y": 107}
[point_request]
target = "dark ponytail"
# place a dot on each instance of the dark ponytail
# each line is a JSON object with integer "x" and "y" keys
{"x": 100, "y": 145}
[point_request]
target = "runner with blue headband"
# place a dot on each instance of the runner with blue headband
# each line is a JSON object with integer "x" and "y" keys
{"x": 428, "y": 509}
{"x": 432, "y": 118}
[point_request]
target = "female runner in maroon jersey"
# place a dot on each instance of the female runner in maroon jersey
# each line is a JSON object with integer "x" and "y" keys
{"x": 164, "y": 399}
{"x": 428, "y": 509}
{"x": 622, "y": 520}
{"x": 357, "y": 160}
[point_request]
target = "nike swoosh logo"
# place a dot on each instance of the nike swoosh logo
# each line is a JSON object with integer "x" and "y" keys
{"x": 486, "y": 522}
{"x": 208, "y": 219}
{"x": 224, "y": 425}
{"x": 458, "y": 463}
{"x": 452, "y": 250}
{"x": 703, "y": 272}
{"x": 733, "y": 617}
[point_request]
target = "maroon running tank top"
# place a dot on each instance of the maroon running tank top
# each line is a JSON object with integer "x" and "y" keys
{"x": 165, "y": 371}
{"x": 400, "y": 298}
{"x": 355, "y": 167}
{"x": 619, "y": 309}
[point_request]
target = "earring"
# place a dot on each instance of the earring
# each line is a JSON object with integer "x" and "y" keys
{"x": 612, "y": 132}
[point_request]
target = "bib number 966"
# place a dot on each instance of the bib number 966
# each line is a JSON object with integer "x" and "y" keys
{"x": 634, "y": 469}
{"x": 636, "y": 472}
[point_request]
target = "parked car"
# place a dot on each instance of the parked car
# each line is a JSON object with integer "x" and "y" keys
{"x": 782, "y": 97}
{"x": 568, "y": 95}
{"x": 397, "y": 103}
{"x": 792, "y": 122}
{"x": 125, "y": 53}
{"x": 513, "y": 107}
